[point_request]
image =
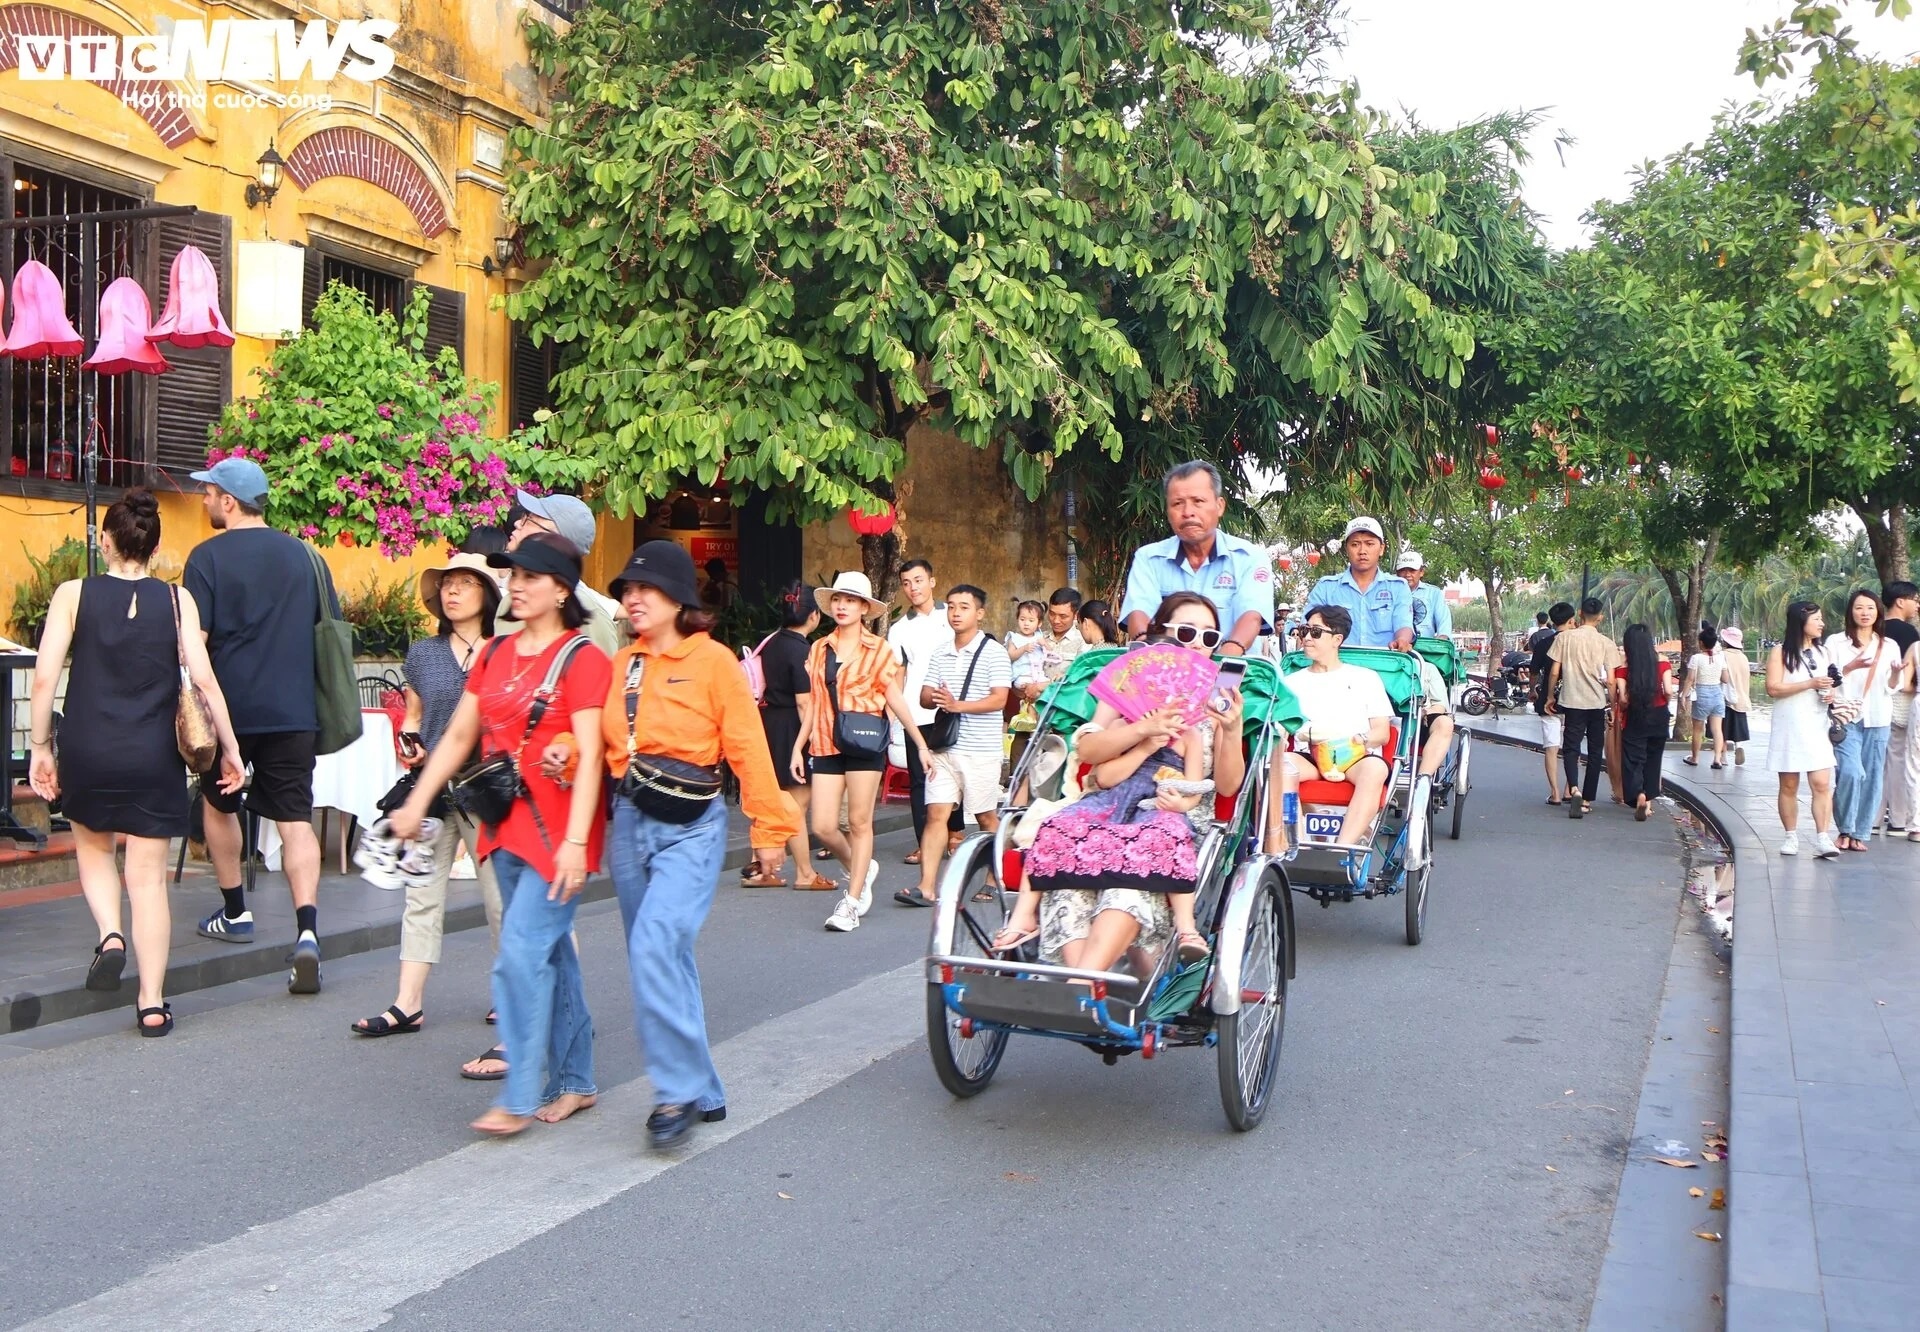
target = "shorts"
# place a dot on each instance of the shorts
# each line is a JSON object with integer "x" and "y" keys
{"x": 969, "y": 778}
{"x": 282, "y": 787}
{"x": 1553, "y": 730}
{"x": 1709, "y": 701}
{"x": 839, "y": 765}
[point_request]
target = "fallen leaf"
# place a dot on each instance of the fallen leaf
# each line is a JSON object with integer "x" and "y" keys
{"x": 787, "y": 1196}
{"x": 1714, "y": 1030}
{"x": 1712, "y": 1235}
{"x": 1696, "y": 1193}
{"x": 1718, "y": 1202}
{"x": 1711, "y": 1156}
{"x": 1554, "y": 1169}
{"x": 1017, "y": 1177}
{"x": 1676, "y": 1162}
{"x": 1717, "y": 1141}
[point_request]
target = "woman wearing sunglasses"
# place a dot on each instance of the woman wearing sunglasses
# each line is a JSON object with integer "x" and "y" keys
{"x": 1349, "y": 720}
{"x": 1117, "y": 866}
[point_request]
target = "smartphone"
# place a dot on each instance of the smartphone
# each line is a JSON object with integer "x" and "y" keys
{"x": 411, "y": 743}
{"x": 1232, "y": 671}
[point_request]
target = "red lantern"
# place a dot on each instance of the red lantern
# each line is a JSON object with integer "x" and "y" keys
{"x": 1313, "y": 558}
{"x": 1445, "y": 462}
{"x": 1490, "y": 479}
{"x": 1285, "y": 562}
{"x": 1575, "y": 473}
{"x": 870, "y": 524}
{"x": 1493, "y": 436}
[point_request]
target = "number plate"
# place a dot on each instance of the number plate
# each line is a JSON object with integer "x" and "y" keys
{"x": 1323, "y": 825}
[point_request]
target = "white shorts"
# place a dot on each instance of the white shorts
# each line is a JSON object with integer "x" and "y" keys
{"x": 969, "y": 778}
{"x": 1553, "y": 729}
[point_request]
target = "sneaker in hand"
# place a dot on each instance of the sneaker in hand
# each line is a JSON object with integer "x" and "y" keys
{"x": 846, "y": 915}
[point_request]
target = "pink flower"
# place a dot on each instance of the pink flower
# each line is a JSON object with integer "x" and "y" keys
{"x": 384, "y": 411}
{"x": 309, "y": 531}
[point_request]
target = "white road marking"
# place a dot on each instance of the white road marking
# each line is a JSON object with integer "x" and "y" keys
{"x": 347, "y": 1263}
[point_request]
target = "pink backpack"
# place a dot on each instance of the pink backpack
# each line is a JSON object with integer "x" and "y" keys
{"x": 757, "y": 673}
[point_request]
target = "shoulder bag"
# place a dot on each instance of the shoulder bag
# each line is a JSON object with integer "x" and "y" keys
{"x": 855, "y": 734}
{"x": 486, "y": 788}
{"x": 193, "y": 729}
{"x": 669, "y": 789}
{"x": 336, "y": 693}
{"x": 943, "y": 732}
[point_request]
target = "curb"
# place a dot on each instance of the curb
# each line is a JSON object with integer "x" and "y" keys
{"x": 25, "y": 1009}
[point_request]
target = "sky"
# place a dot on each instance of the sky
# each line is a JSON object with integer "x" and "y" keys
{"x": 1628, "y": 80}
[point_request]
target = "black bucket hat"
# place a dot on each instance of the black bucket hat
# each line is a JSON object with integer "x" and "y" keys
{"x": 664, "y": 565}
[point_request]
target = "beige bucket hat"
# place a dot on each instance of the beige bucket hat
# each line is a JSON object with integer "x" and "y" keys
{"x": 473, "y": 564}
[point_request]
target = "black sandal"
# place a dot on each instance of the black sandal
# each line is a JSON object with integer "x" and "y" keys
{"x": 141, "y": 1015}
{"x": 493, "y": 1017}
{"x": 103, "y": 973}
{"x": 912, "y": 897}
{"x": 498, "y": 1055}
{"x": 390, "y": 1023}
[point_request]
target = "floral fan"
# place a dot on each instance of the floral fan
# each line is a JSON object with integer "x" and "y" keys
{"x": 1157, "y": 676}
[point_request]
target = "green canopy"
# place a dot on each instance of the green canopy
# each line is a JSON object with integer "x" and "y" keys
{"x": 1398, "y": 671}
{"x": 1444, "y": 656}
{"x": 1266, "y": 696}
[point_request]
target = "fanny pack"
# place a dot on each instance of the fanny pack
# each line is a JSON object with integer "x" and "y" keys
{"x": 486, "y": 788}
{"x": 668, "y": 789}
{"x": 855, "y": 734}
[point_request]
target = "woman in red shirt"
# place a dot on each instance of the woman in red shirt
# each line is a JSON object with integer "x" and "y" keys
{"x": 1641, "y": 689}
{"x": 535, "y": 696}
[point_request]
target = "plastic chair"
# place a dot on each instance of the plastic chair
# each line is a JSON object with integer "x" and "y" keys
{"x": 897, "y": 785}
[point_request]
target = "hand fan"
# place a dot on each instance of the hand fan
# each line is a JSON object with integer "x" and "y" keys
{"x": 1157, "y": 676}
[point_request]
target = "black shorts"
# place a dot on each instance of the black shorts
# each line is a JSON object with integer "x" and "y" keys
{"x": 839, "y": 765}
{"x": 282, "y": 785}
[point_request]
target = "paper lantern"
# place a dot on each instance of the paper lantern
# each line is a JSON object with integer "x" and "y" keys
{"x": 40, "y": 324}
{"x": 267, "y": 283}
{"x": 1445, "y": 463}
{"x": 1313, "y": 558}
{"x": 1285, "y": 562}
{"x": 1493, "y": 436}
{"x": 870, "y": 524}
{"x": 124, "y": 324}
{"x": 1575, "y": 473}
{"x": 192, "y": 317}
{"x": 1491, "y": 480}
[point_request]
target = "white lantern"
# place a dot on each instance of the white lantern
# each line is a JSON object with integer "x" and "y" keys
{"x": 267, "y": 285}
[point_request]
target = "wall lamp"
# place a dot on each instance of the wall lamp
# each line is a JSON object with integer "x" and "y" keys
{"x": 502, "y": 257}
{"x": 261, "y": 190}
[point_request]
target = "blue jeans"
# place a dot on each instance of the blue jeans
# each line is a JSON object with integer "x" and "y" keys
{"x": 537, "y": 991}
{"x": 1860, "y": 762}
{"x": 665, "y": 874}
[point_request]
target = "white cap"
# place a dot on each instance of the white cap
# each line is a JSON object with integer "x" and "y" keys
{"x": 1363, "y": 525}
{"x": 1410, "y": 559}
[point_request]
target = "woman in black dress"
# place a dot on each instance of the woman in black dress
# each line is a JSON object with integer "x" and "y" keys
{"x": 784, "y": 660}
{"x": 119, "y": 769}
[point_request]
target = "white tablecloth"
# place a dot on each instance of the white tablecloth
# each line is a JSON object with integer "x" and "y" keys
{"x": 351, "y": 781}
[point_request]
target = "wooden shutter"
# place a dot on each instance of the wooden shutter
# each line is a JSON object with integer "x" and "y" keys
{"x": 530, "y": 378}
{"x": 446, "y": 322}
{"x": 188, "y": 398}
{"x": 311, "y": 283}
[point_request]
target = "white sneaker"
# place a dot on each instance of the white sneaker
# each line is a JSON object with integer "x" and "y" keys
{"x": 1914, "y": 836}
{"x": 1823, "y": 847}
{"x": 1791, "y": 845}
{"x": 865, "y": 900}
{"x": 846, "y": 915}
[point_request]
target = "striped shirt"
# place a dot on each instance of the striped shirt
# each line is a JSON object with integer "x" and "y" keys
{"x": 979, "y": 732}
{"x": 861, "y": 684}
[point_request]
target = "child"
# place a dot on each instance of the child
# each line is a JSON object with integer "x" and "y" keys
{"x": 1023, "y": 646}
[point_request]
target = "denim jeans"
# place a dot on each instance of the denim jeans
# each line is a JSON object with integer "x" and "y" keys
{"x": 665, "y": 874}
{"x": 1860, "y": 763}
{"x": 537, "y": 991}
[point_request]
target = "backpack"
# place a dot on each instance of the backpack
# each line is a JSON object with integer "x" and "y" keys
{"x": 756, "y": 671}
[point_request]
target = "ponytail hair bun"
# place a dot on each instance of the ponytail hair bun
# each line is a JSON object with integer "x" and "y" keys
{"x": 133, "y": 521}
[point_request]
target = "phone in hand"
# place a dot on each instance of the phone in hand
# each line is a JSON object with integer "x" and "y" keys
{"x": 411, "y": 744}
{"x": 1232, "y": 671}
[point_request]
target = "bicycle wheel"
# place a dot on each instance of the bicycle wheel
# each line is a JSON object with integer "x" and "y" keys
{"x": 965, "y": 1064}
{"x": 1248, "y": 1040}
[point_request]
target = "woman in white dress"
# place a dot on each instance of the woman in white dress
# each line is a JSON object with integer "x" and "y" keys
{"x": 1869, "y": 665}
{"x": 1799, "y": 682}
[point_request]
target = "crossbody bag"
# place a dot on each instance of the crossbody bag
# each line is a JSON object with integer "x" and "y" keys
{"x": 943, "y": 732}
{"x": 486, "y": 788}
{"x": 855, "y": 734}
{"x": 661, "y": 787}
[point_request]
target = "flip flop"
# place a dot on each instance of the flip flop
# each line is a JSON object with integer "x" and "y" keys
{"x": 103, "y": 973}
{"x": 1017, "y": 941}
{"x": 1556, "y": 803}
{"x": 912, "y": 897}
{"x": 913, "y": 859}
{"x": 498, "y": 1055}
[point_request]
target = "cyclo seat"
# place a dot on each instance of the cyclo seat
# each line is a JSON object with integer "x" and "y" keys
{"x": 1400, "y": 674}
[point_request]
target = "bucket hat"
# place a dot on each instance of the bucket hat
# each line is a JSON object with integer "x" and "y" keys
{"x": 473, "y": 564}
{"x": 664, "y": 565}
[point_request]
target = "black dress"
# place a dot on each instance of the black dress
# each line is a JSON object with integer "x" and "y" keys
{"x": 119, "y": 764}
{"x": 784, "y": 660}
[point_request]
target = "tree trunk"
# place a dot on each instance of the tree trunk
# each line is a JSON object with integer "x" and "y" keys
{"x": 1496, "y": 647}
{"x": 1886, "y": 538}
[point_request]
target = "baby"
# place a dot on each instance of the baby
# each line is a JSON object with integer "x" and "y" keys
{"x": 1023, "y": 646}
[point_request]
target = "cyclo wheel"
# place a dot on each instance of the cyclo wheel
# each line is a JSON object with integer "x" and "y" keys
{"x": 966, "y": 1064}
{"x": 1460, "y": 787}
{"x": 1416, "y": 895}
{"x": 1247, "y": 1042}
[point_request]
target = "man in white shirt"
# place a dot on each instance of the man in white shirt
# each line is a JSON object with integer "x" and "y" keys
{"x": 919, "y": 633}
{"x": 969, "y": 678}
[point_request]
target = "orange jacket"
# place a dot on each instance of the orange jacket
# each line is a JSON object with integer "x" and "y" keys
{"x": 694, "y": 705}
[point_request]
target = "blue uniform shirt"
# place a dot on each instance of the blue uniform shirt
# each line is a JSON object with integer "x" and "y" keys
{"x": 1378, "y": 613}
{"x": 1236, "y": 578}
{"x": 1432, "y": 617}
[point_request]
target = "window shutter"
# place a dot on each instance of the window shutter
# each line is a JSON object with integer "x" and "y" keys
{"x": 530, "y": 378}
{"x": 188, "y": 398}
{"x": 310, "y": 286}
{"x": 446, "y": 322}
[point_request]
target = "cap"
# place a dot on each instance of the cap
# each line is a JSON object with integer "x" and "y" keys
{"x": 239, "y": 477}
{"x": 1363, "y": 525}
{"x": 543, "y": 553}
{"x": 1410, "y": 559}
{"x": 570, "y": 516}
{"x": 664, "y": 565}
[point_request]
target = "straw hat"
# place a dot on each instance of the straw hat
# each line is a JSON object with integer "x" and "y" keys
{"x": 849, "y": 584}
{"x": 473, "y": 564}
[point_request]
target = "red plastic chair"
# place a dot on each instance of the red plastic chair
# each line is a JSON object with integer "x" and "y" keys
{"x": 896, "y": 785}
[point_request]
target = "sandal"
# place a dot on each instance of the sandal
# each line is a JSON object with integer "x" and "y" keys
{"x": 913, "y": 897}
{"x": 1556, "y": 802}
{"x": 103, "y": 973}
{"x": 390, "y": 1023}
{"x": 764, "y": 881}
{"x": 161, "y": 1028}
{"x": 990, "y": 893}
{"x": 821, "y": 853}
{"x": 497, "y": 1055}
{"x": 493, "y": 1017}
{"x": 504, "y": 1126}
{"x": 1691, "y": 762}
{"x": 1191, "y": 947}
{"x": 913, "y": 859}
{"x": 1009, "y": 937}
{"x": 814, "y": 883}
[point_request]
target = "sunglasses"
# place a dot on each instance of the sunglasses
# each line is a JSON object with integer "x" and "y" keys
{"x": 1186, "y": 635}
{"x": 1311, "y": 631}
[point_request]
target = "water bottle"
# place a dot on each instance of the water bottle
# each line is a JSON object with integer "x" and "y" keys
{"x": 1290, "y": 811}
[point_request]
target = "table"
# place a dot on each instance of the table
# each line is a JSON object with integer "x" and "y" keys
{"x": 351, "y": 781}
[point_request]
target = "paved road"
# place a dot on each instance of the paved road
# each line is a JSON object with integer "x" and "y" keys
{"x": 260, "y": 1168}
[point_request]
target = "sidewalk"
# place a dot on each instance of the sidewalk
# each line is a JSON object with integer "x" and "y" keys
{"x": 1823, "y": 1225}
{"x": 45, "y": 946}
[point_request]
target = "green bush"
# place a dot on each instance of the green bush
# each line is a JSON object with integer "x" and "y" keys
{"x": 385, "y": 619}
{"x": 31, "y": 598}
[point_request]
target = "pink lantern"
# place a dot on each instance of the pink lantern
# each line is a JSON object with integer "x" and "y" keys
{"x": 124, "y": 323}
{"x": 40, "y": 324}
{"x": 192, "y": 316}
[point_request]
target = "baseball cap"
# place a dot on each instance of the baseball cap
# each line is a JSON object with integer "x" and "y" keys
{"x": 1363, "y": 525}
{"x": 569, "y": 516}
{"x": 239, "y": 477}
{"x": 1410, "y": 559}
{"x": 542, "y": 553}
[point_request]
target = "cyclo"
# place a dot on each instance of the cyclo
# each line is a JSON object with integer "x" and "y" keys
{"x": 1234, "y": 999}
{"x": 1450, "y": 785}
{"x": 1397, "y": 854}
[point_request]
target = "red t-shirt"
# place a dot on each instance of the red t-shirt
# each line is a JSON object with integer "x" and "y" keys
{"x": 1659, "y": 679}
{"x": 505, "y": 684}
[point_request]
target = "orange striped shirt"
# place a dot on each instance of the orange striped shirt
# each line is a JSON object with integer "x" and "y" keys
{"x": 861, "y": 683}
